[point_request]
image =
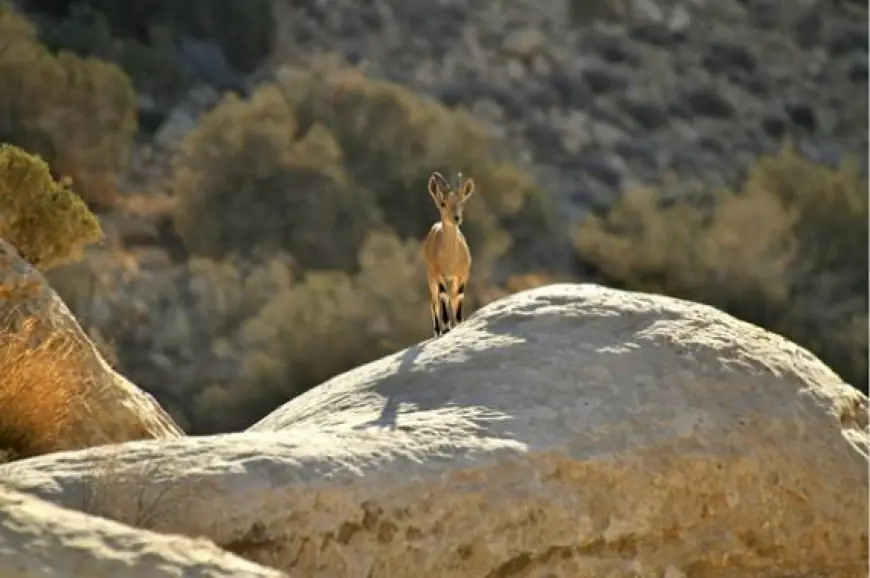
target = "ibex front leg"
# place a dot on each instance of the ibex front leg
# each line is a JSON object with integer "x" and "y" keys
{"x": 460, "y": 300}
{"x": 436, "y": 306}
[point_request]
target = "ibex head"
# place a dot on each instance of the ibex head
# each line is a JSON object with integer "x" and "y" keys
{"x": 449, "y": 200}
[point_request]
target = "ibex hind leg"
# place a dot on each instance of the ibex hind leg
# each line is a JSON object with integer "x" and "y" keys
{"x": 459, "y": 303}
{"x": 436, "y": 325}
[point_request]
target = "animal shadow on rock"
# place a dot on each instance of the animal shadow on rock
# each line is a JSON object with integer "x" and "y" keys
{"x": 533, "y": 359}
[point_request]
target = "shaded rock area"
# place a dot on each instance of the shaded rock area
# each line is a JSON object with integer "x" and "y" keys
{"x": 39, "y": 540}
{"x": 56, "y": 391}
{"x": 569, "y": 430}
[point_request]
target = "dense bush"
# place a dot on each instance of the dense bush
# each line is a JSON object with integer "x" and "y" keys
{"x": 242, "y": 28}
{"x": 79, "y": 114}
{"x": 788, "y": 252}
{"x": 151, "y": 62}
{"x": 222, "y": 343}
{"x": 326, "y": 323}
{"x": 250, "y": 180}
{"x": 312, "y": 164}
{"x": 44, "y": 220}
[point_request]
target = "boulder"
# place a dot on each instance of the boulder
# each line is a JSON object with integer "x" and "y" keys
{"x": 566, "y": 431}
{"x": 56, "y": 390}
{"x": 40, "y": 540}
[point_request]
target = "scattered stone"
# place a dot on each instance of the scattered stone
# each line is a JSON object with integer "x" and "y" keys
{"x": 709, "y": 102}
{"x": 522, "y": 43}
{"x": 604, "y": 80}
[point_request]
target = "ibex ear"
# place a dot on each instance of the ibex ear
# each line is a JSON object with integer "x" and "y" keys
{"x": 435, "y": 187}
{"x": 467, "y": 189}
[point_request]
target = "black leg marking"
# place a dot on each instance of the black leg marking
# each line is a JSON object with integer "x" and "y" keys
{"x": 436, "y": 330}
{"x": 445, "y": 318}
{"x": 461, "y": 294}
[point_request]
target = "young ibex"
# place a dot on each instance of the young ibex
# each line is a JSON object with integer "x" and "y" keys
{"x": 448, "y": 260}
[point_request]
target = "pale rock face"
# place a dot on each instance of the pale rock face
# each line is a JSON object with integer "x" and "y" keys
{"x": 569, "y": 431}
{"x": 40, "y": 540}
{"x": 58, "y": 393}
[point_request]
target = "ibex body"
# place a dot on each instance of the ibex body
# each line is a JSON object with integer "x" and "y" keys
{"x": 448, "y": 260}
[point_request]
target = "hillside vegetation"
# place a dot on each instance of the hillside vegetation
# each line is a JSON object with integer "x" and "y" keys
{"x": 78, "y": 113}
{"x": 279, "y": 242}
{"x": 788, "y": 251}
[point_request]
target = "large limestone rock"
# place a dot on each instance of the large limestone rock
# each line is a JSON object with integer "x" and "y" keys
{"x": 39, "y": 540}
{"x": 56, "y": 390}
{"x": 569, "y": 431}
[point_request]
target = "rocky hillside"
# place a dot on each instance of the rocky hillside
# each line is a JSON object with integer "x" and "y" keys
{"x": 594, "y": 96}
{"x": 597, "y": 99}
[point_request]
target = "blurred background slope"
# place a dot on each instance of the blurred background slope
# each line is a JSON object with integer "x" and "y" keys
{"x": 259, "y": 168}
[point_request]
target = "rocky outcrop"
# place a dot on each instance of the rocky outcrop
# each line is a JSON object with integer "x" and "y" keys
{"x": 571, "y": 431}
{"x": 40, "y": 540}
{"x": 56, "y": 390}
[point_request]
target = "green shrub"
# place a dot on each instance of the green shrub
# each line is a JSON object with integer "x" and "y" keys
{"x": 248, "y": 181}
{"x": 79, "y": 114}
{"x": 313, "y": 163}
{"x": 47, "y": 222}
{"x": 393, "y": 139}
{"x": 788, "y": 252}
{"x": 152, "y": 62}
{"x": 326, "y": 323}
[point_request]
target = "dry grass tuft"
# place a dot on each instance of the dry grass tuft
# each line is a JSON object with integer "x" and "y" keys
{"x": 37, "y": 387}
{"x": 141, "y": 495}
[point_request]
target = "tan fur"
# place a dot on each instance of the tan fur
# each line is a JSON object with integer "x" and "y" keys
{"x": 448, "y": 260}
